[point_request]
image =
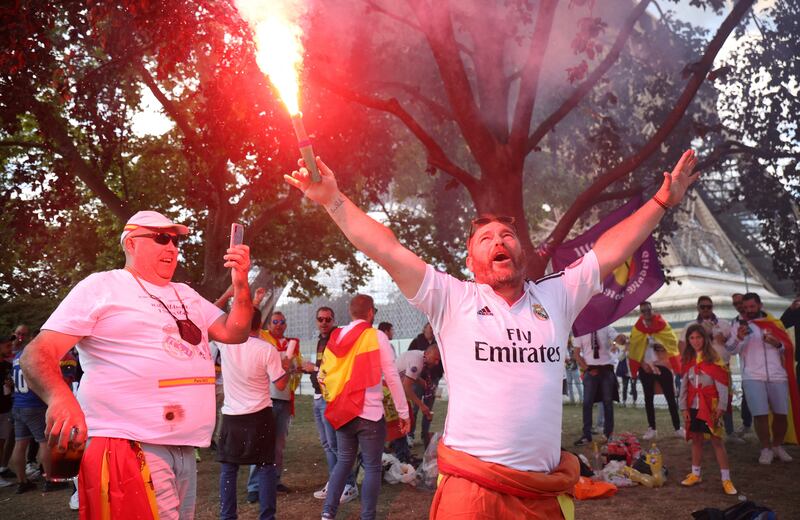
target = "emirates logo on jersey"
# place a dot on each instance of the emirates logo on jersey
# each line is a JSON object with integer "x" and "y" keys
{"x": 485, "y": 312}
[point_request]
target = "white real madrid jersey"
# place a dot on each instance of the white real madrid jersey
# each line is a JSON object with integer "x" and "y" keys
{"x": 504, "y": 364}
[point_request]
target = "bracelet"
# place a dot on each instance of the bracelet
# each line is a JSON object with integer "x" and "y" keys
{"x": 660, "y": 203}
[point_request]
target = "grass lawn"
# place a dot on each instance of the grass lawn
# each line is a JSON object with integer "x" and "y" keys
{"x": 774, "y": 486}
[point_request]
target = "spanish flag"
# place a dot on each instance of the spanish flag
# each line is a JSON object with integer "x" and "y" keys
{"x": 662, "y": 334}
{"x": 775, "y": 326}
{"x": 351, "y": 364}
{"x": 708, "y": 395}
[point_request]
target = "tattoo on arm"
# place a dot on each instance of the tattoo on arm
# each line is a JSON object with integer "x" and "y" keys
{"x": 336, "y": 204}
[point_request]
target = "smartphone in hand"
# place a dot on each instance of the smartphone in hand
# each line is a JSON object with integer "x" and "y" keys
{"x": 237, "y": 234}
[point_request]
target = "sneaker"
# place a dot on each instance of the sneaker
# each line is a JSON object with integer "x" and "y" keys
{"x": 350, "y": 493}
{"x": 73, "y": 502}
{"x": 649, "y": 434}
{"x": 282, "y": 488}
{"x": 252, "y": 497}
{"x": 727, "y": 486}
{"x": 7, "y": 473}
{"x": 5, "y": 483}
{"x": 23, "y": 487}
{"x": 583, "y": 441}
{"x": 32, "y": 471}
{"x": 692, "y": 480}
{"x": 766, "y": 456}
{"x": 680, "y": 433}
{"x": 734, "y": 439}
{"x": 743, "y": 430}
{"x": 322, "y": 494}
{"x": 595, "y": 430}
{"x": 781, "y": 454}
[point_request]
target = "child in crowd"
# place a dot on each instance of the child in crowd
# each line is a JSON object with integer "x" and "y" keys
{"x": 703, "y": 400}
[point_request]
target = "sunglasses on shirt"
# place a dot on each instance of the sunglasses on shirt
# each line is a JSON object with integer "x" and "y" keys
{"x": 324, "y": 319}
{"x": 482, "y": 221}
{"x": 161, "y": 238}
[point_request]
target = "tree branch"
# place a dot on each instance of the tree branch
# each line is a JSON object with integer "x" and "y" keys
{"x": 700, "y": 70}
{"x": 529, "y": 83}
{"x": 372, "y": 4}
{"x": 435, "y": 20}
{"x": 171, "y": 108}
{"x": 25, "y": 144}
{"x": 436, "y": 154}
{"x": 584, "y": 88}
{"x": 415, "y": 92}
{"x": 55, "y": 129}
{"x": 293, "y": 198}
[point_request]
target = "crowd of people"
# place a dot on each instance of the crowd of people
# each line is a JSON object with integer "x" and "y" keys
{"x": 697, "y": 361}
{"x": 154, "y": 352}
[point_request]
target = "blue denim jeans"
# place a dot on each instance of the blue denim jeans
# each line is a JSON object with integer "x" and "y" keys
{"x": 369, "y": 436}
{"x": 282, "y": 411}
{"x": 602, "y": 382}
{"x": 264, "y": 474}
{"x": 419, "y": 390}
{"x": 327, "y": 438}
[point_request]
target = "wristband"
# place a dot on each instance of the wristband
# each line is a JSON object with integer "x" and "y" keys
{"x": 660, "y": 202}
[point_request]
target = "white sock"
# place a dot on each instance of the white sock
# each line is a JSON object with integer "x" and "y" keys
{"x": 725, "y": 474}
{"x": 696, "y": 470}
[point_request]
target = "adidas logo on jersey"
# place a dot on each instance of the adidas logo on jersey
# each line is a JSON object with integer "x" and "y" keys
{"x": 485, "y": 312}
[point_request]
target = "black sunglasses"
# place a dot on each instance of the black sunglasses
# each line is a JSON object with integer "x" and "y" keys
{"x": 324, "y": 319}
{"x": 161, "y": 238}
{"x": 279, "y": 322}
{"x": 482, "y": 221}
{"x": 705, "y": 307}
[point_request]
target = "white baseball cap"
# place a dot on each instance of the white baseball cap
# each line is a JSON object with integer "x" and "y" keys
{"x": 151, "y": 220}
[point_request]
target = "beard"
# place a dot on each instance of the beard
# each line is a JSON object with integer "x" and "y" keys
{"x": 498, "y": 277}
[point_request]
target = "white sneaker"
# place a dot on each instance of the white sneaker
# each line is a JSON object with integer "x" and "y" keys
{"x": 766, "y": 456}
{"x": 743, "y": 430}
{"x": 649, "y": 434}
{"x": 350, "y": 493}
{"x": 322, "y": 494}
{"x": 32, "y": 471}
{"x": 73, "y": 502}
{"x": 5, "y": 483}
{"x": 781, "y": 454}
{"x": 735, "y": 439}
{"x": 680, "y": 433}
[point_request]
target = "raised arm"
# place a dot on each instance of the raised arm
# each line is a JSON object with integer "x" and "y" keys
{"x": 40, "y": 365}
{"x": 368, "y": 236}
{"x": 233, "y": 328}
{"x": 618, "y": 243}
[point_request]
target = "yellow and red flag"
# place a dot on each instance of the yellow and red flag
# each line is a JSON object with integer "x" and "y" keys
{"x": 662, "y": 333}
{"x": 281, "y": 345}
{"x": 708, "y": 395}
{"x": 351, "y": 364}
{"x": 776, "y": 328}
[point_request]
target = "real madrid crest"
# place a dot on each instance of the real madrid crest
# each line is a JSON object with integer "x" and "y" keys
{"x": 540, "y": 313}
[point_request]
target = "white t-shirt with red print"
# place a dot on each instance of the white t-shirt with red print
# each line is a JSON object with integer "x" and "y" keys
{"x": 504, "y": 364}
{"x": 141, "y": 380}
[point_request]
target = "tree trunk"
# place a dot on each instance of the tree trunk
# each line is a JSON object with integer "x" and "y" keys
{"x": 499, "y": 191}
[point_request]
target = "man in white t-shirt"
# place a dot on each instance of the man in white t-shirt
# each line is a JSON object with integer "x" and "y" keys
{"x": 504, "y": 330}
{"x": 247, "y": 435}
{"x": 593, "y": 354}
{"x": 148, "y": 385}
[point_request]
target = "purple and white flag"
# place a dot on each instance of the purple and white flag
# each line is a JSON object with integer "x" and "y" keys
{"x": 625, "y": 288}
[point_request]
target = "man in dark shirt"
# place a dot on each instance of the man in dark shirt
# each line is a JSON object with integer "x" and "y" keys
{"x": 791, "y": 318}
{"x": 326, "y": 322}
{"x": 427, "y": 393}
